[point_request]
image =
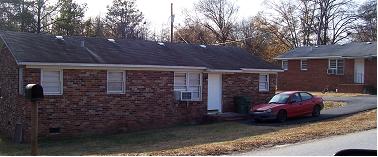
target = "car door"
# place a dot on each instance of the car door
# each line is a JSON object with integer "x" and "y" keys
{"x": 295, "y": 106}
{"x": 307, "y": 102}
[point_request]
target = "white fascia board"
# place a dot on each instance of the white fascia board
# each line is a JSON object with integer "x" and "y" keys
{"x": 296, "y": 58}
{"x": 107, "y": 66}
{"x": 325, "y": 57}
{"x": 222, "y": 71}
{"x": 247, "y": 70}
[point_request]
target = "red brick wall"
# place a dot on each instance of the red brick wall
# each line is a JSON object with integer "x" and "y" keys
{"x": 85, "y": 107}
{"x": 245, "y": 85}
{"x": 371, "y": 71}
{"x": 10, "y": 112}
{"x": 316, "y": 77}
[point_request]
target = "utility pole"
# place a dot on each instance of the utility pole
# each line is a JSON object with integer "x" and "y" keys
{"x": 172, "y": 20}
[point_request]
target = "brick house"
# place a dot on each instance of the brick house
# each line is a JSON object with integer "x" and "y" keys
{"x": 95, "y": 85}
{"x": 349, "y": 67}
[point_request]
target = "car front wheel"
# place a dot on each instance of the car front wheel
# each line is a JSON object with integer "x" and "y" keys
{"x": 281, "y": 116}
{"x": 316, "y": 111}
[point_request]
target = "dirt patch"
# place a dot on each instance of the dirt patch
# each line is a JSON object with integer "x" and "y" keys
{"x": 337, "y": 94}
{"x": 333, "y": 104}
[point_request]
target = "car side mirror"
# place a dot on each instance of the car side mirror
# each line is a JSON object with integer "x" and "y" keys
{"x": 291, "y": 101}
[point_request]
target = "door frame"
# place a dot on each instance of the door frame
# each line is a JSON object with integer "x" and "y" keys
{"x": 355, "y": 77}
{"x": 221, "y": 91}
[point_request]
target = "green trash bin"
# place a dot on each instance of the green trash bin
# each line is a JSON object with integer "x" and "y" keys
{"x": 242, "y": 104}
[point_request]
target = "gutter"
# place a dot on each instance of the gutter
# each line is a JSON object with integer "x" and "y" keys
{"x": 326, "y": 57}
{"x": 140, "y": 67}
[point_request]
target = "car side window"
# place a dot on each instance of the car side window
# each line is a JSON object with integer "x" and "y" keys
{"x": 306, "y": 96}
{"x": 296, "y": 98}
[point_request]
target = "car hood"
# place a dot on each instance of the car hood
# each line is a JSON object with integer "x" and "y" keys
{"x": 263, "y": 107}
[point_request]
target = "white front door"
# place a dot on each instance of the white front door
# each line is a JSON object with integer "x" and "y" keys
{"x": 359, "y": 68}
{"x": 214, "y": 92}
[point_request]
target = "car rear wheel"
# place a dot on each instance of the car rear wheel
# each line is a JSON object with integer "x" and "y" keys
{"x": 281, "y": 116}
{"x": 316, "y": 111}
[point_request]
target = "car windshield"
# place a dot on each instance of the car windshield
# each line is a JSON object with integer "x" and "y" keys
{"x": 279, "y": 99}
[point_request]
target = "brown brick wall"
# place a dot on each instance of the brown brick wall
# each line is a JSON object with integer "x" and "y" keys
{"x": 10, "y": 112}
{"x": 371, "y": 71}
{"x": 85, "y": 107}
{"x": 316, "y": 77}
{"x": 245, "y": 85}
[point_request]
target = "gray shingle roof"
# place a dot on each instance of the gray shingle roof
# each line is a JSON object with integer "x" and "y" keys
{"x": 355, "y": 49}
{"x": 28, "y": 47}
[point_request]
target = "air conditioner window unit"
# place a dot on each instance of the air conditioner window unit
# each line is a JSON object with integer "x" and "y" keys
{"x": 331, "y": 71}
{"x": 186, "y": 96}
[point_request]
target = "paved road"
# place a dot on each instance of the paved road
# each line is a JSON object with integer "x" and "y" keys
{"x": 322, "y": 147}
{"x": 355, "y": 104}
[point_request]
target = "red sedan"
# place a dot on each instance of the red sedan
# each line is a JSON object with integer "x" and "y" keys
{"x": 288, "y": 104}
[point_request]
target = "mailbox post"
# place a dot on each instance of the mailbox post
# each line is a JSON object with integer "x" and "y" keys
{"x": 34, "y": 93}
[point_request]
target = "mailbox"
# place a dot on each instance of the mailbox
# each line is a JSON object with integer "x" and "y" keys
{"x": 34, "y": 92}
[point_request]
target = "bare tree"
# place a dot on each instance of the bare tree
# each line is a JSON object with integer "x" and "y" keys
{"x": 366, "y": 28}
{"x": 43, "y": 12}
{"x": 307, "y": 17}
{"x": 219, "y": 16}
{"x": 336, "y": 17}
{"x": 287, "y": 20}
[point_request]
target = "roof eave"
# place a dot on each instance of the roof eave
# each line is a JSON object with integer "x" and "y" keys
{"x": 325, "y": 57}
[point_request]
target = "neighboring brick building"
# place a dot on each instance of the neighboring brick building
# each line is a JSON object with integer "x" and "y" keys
{"x": 346, "y": 68}
{"x": 95, "y": 85}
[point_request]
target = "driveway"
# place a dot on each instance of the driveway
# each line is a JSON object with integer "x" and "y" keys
{"x": 322, "y": 147}
{"x": 355, "y": 104}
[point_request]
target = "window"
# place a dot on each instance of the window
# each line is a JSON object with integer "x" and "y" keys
{"x": 295, "y": 98}
{"x": 21, "y": 81}
{"x": 306, "y": 96}
{"x": 264, "y": 82}
{"x": 303, "y": 64}
{"x": 285, "y": 65}
{"x": 336, "y": 66}
{"x": 116, "y": 82}
{"x": 52, "y": 81}
{"x": 190, "y": 82}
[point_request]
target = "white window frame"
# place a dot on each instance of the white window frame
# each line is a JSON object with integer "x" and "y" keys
{"x": 187, "y": 85}
{"x": 267, "y": 82}
{"x": 21, "y": 81}
{"x": 304, "y": 69}
{"x": 60, "y": 79}
{"x": 123, "y": 82}
{"x": 287, "y": 65}
{"x": 337, "y": 65}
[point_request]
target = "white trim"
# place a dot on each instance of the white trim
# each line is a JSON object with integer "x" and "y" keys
{"x": 123, "y": 79}
{"x": 337, "y": 64}
{"x": 88, "y": 65}
{"x": 268, "y": 81}
{"x": 21, "y": 81}
{"x": 221, "y": 92}
{"x": 301, "y": 66}
{"x": 282, "y": 65}
{"x": 187, "y": 83}
{"x": 60, "y": 79}
{"x": 261, "y": 70}
{"x": 325, "y": 57}
{"x": 222, "y": 71}
{"x": 140, "y": 67}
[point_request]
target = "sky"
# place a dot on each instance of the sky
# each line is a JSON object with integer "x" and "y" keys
{"x": 157, "y": 12}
